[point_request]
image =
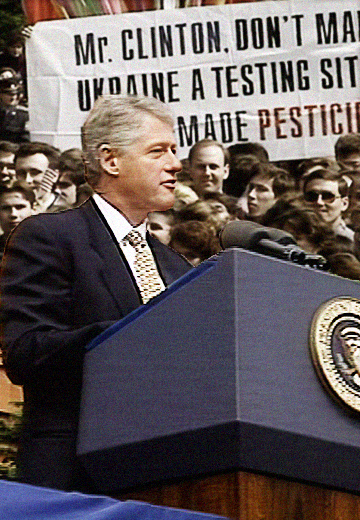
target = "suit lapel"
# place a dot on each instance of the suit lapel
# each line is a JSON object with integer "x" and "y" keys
{"x": 113, "y": 268}
{"x": 169, "y": 263}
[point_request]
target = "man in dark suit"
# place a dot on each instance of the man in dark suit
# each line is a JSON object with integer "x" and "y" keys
{"x": 68, "y": 276}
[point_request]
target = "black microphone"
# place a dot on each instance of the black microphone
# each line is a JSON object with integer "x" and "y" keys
{"x": 267, "y": 241}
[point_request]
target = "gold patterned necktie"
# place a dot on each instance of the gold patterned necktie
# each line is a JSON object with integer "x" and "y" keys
{"x": 149, "y": 282}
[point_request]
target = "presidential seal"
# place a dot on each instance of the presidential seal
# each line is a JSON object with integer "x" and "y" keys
{"x": 335, "y": 348}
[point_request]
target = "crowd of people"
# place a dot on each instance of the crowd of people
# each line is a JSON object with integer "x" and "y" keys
{"x": 316, "y": 200}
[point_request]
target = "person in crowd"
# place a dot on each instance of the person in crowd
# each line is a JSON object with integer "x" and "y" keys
{"x": 327, "y": 193}
{"x": 13, "y": 56}
{"x": 13, "y": 116}
{"x": 347, "y": 151}
{"x": 213, "y": 212}
{"x": 195, "y": 240}
{"x": 37, "y": 164}
{"x": 67, "y": 276}
{"x": 83, "y": 193}
{"x": 16, "y": 204}
{"x": 231, "y": 203}
{"x": 240, "y": 173}
{"x": 249, "y": 148}
{"x": 291, "y": 215}
{"x": 314, "y": 236}
{"x": 184, "y": 195}
{"x": 351, "y": 217}
{"x": 71, "y": 177}
{"x": 242, "y": 157}
{"x": 316, "y": 163}
{"x": 7, "y": 162}
{"x": 223, "y": 209}
{"x": 159, "y": 224}
{"x": 266, "y": 185}
{"x": 208, "y": 166}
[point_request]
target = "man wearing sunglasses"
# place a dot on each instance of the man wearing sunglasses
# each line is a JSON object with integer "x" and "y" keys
{"x": 327, "y": 193}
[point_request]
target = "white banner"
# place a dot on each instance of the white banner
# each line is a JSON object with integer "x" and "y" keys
{"x": 283, "y": 73}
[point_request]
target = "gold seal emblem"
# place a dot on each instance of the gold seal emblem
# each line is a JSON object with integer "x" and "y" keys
{"x": 335, "y": 348}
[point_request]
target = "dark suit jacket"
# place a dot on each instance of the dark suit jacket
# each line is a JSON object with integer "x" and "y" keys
{"x": 64, "y": 280}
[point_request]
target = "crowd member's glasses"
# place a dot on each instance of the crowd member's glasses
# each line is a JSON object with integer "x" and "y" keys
{"x": 326, "y": 196}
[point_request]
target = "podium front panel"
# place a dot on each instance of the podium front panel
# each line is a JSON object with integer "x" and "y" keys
{"x": 214, "y": 375}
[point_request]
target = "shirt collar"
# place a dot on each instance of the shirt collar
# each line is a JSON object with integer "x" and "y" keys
{"x": 119, "y": 225}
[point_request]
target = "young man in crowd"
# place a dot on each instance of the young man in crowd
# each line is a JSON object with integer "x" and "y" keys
{"x": 16, "y": 204}
{"x": 208, "y": 166}
{"x": 37, "y": 164}
{"x": 266, "y": 185}
{"x": 159, "y": 224}
{"x": 71, "y": 177}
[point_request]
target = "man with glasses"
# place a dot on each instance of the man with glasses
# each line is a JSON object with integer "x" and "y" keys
{"x": 327, "y": 193}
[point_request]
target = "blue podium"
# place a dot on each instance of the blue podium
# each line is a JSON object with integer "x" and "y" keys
{"x": 215, "y": 375}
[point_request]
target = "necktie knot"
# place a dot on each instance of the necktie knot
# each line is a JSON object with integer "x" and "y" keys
{"x": 135, "y": 239}
{"x": 148, "y": 278}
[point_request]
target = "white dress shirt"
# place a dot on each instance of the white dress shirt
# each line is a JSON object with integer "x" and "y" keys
{"x": 120, "y": 226}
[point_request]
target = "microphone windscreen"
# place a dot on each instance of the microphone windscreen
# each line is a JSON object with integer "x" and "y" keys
{"x": 280, "y": 236}
{"x": 238, "y": 233}
{"x": 247, "y": 234}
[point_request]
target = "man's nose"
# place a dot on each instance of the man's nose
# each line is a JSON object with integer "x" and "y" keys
{"x": 173, "y": 163}
{"x": 28, "y": 179}
{"x": 252, "y": 193}
{"x": 207, "y": 171}
{"x": 319, "y": 200}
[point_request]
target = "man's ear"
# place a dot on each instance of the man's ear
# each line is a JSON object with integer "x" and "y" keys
{"x": 344, "y": 203}
{"x": 226, "y": 171}
{"x": 108, "y": 159}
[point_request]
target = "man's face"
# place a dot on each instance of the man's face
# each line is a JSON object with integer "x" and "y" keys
{"x": 208, "y": 170}
{"x": 31, "y": 169}
{"x": 15, "y": 50}
{"x": 159, "y": 226}
{"x": 10, "y": 98}
{"x": 325, "y": 199}
{"x": 13, "y": 209}
{"x": 7, "y": 168}
{"x": 260, "y": 195}
{"x": 219, "y": 216}
{"x": 146, "y": 170}
{"x": 351, "y": 161}
{"x": 66, "y": 188}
